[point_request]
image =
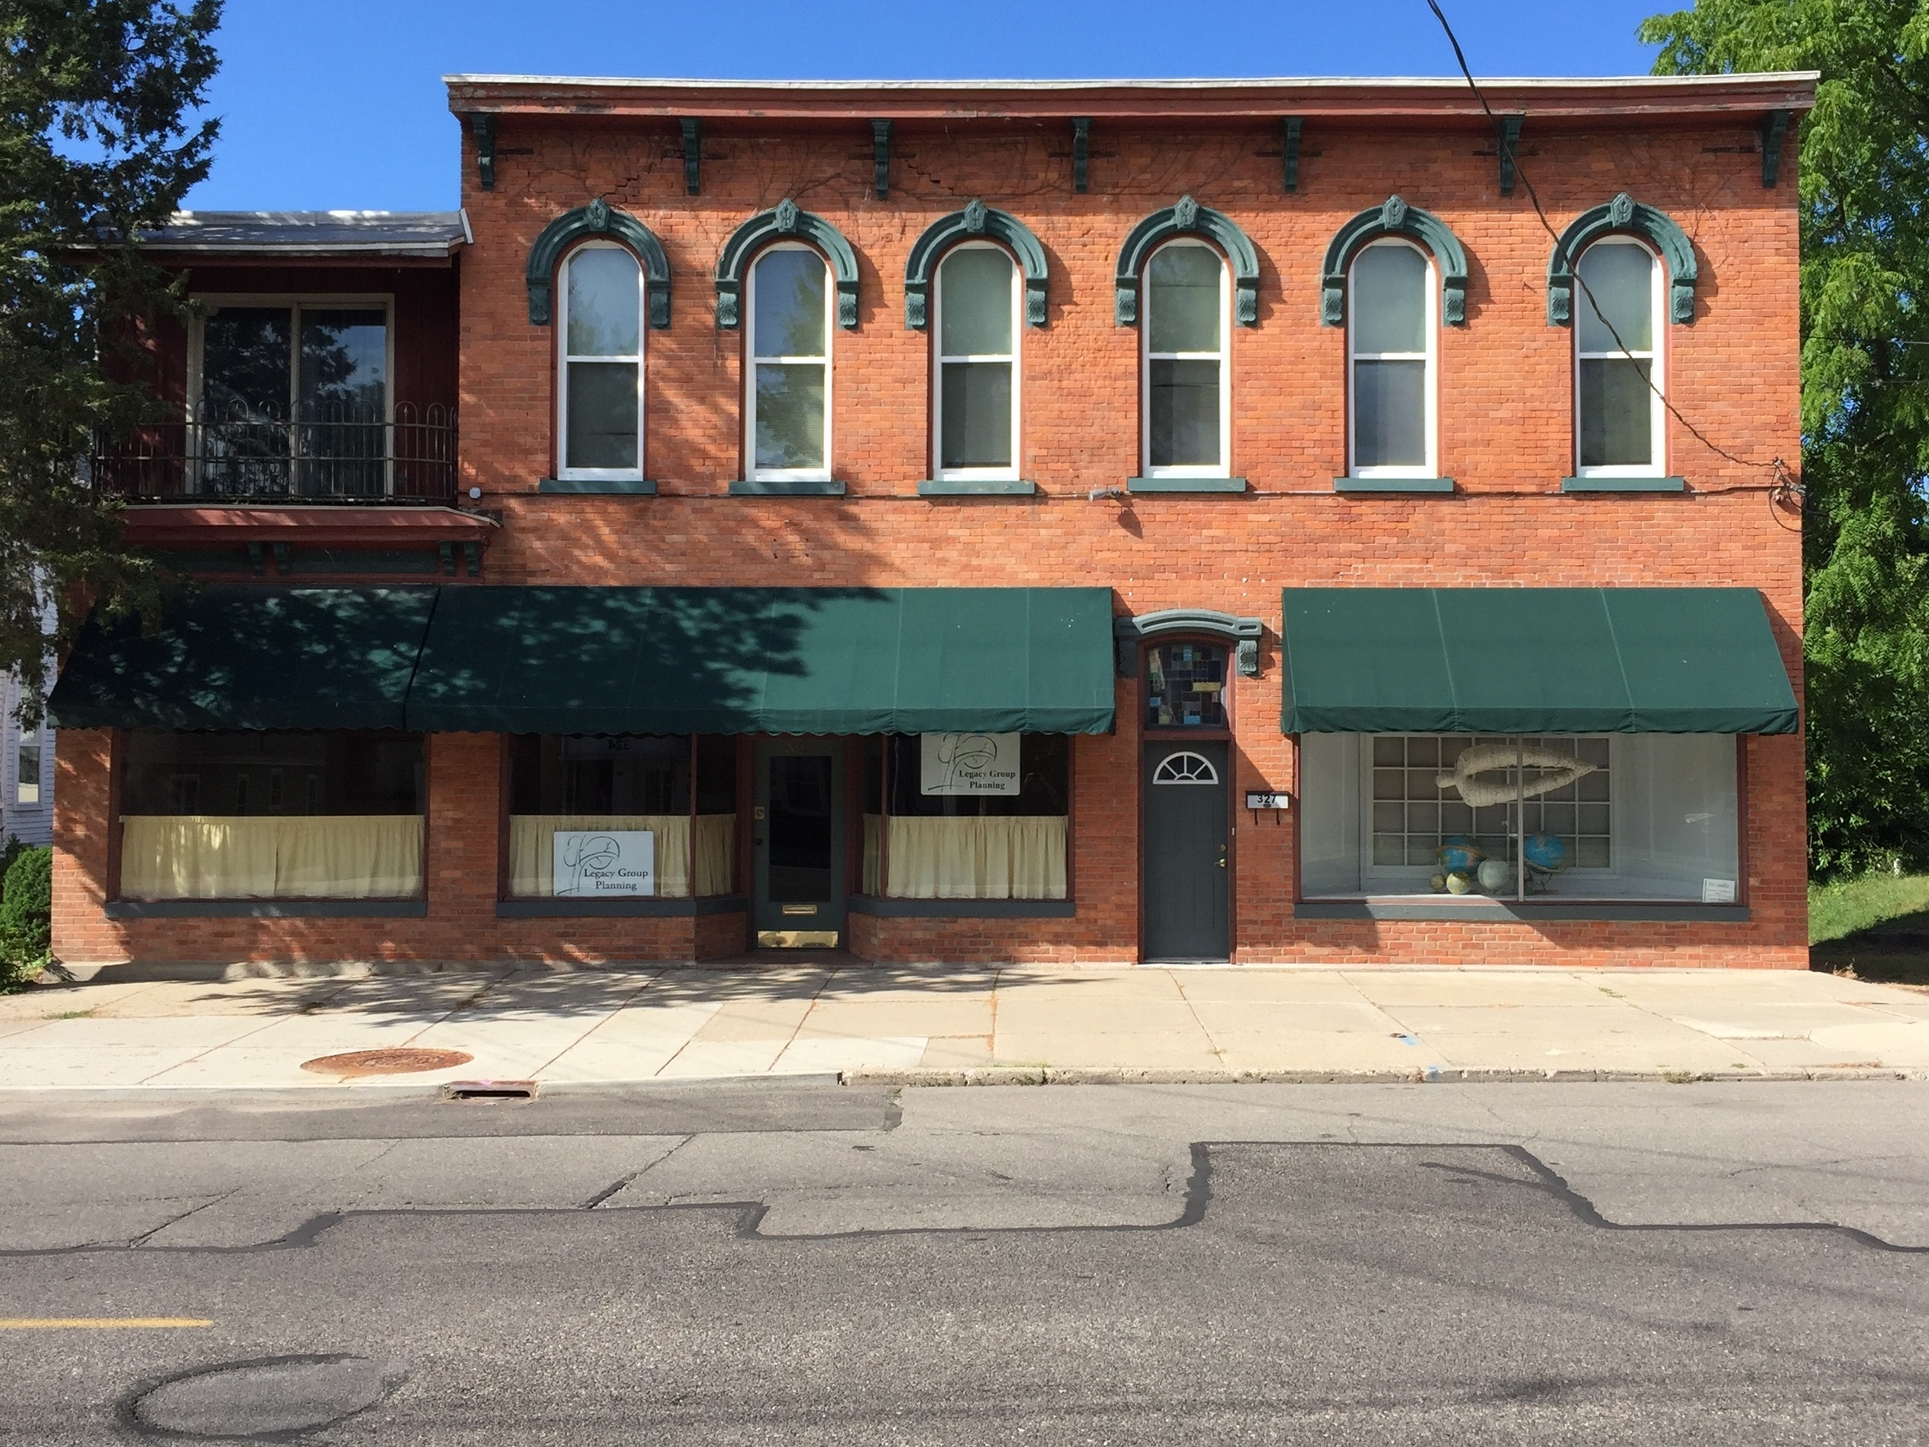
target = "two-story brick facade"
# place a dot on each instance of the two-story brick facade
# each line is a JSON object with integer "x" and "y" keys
{"x": 1084, "y": 522}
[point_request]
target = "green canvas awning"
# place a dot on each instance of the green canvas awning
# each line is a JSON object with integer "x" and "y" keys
{"x": 767, "y": 660}
{"x": 252, "y": 658}
{"x": 1532, "y": 661}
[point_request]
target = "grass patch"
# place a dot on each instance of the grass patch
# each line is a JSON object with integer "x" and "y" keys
{"x": 1850, "y": 906}
{"x": 71, "y": 1015}
{"x": 1873, "y": 928}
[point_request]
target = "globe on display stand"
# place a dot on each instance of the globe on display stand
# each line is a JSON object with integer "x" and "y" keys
{"x": 1493, "y": 875}
{"x": 1459, "y": 855}
{"x": 1546, "y": 855}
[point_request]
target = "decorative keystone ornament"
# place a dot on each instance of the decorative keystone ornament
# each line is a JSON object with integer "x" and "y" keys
{"x": 974, "y": 217}
{"x": 1393, "y": 215}
{"x": 787, "y": 214}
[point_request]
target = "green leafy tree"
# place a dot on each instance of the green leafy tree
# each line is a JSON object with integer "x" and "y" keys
{"x": 1865, "y": 397}
{"x": 98, "y": 141}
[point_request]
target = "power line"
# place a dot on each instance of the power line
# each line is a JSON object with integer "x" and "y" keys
{"x": 1785, "y": 487}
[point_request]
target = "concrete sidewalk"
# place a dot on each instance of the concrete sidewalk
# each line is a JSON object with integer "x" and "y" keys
{"x": 589, "y": 1029}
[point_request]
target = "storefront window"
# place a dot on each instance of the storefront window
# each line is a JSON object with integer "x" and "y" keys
{"x": 1185, "y": 686}
{"x": 1630, "y": 816}
{"x": 272, "y": 815}
{"x": 615, "y": 815}
{"x": 967, "y": 816}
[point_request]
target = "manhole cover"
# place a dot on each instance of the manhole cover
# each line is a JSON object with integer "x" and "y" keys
{"x": 386, "y": 1062}
{"x": 248, "y": 1399}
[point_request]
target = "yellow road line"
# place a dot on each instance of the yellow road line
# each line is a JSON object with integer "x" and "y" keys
{"x": 84, "y": 1323}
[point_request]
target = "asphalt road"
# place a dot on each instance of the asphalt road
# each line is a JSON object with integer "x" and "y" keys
{"x": 803, "y": 1265}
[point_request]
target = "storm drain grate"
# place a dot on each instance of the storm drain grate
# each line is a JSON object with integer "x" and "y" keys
{"x": 490, "y": 1090}
{"x": 385, "y": 1062}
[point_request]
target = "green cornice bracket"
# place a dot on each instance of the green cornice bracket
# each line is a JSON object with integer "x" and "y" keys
{"x": 1289, "y": 125}
{"x": 598, "y": 219}
{"x": 1081, "y": 153}
{"x": 1394, "y": 217}
{"x": 692, "y": 156}
{"x": 1509, "y": 139}
{"x": 1623, "y": 216}
{"x": 483, "y": 129}
{"x": 781, "y": 223}
{"x": 977, "y": 219}
{"x": 881, "y": 158}
{"x": 1187, "y": 218}
{"x": 1774, "y": 132}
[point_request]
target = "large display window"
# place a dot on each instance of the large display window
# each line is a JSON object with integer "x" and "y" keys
{"x": 622, "y": 815}
{"x": 967, "y": 816}
{"x": 1624, "y": 816}
{"x": 271, "y": 815}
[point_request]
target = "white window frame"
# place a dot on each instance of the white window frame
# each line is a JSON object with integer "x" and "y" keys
{"x": 564, "y": 357}
{"x": 1655, "y": 358}
{"x": 201, "y": 303}
{"x": 941, "y": 357}
{"x": 1223, "y": 357}
{"x": 1430, "y": 389}
{"x": 752, "y": 359}
{"x": 24, "y": 739}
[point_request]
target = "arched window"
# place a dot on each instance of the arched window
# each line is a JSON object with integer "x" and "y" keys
{"x": 976, "y": 391}
{"x": 1391, "y": 331}
{"x": 1187, "y": 399}
{"x": 600, "y": 393}
{"x": 789, "y": 382}
{"x": 1618, "y": 417}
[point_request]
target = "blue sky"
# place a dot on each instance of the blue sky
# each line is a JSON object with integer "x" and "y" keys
{"x": 339, "y": 103}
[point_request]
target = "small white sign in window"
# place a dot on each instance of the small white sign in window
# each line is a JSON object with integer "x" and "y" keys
{"x": 969, "y": 764}
{"x": 1718, "y": 891}
{"x": 596, "y": 862}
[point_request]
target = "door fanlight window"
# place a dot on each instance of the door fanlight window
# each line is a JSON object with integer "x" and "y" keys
{"x": 1185, "y": 767}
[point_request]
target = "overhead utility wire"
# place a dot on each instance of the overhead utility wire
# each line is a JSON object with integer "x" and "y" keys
{"x": 1783, "y": 483}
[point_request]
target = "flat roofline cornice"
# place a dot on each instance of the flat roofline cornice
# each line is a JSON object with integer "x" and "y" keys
{"x": 1202, "y": 99}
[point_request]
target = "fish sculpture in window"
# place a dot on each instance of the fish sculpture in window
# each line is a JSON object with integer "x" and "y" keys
{"x": 1542, "y": 770}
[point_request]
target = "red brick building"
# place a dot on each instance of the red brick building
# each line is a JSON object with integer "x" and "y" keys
{"x": 1080, "y": 522}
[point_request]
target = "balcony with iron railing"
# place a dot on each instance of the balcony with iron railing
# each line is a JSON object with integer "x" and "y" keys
{"x": 248, "y": 455}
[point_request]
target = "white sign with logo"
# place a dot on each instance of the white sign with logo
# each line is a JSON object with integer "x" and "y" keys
{"x": 969, "y": 764}
{"x": 591, "y": 862}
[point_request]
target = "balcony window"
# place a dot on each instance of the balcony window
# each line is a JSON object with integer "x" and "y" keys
{"x": 289, "y": 400}
{"x": 26, "y": 787}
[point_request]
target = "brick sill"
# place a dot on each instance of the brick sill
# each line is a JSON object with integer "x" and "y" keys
{"x": 787, "y": 487}
{"x": 1185, "y": 484}
{"x": 1624, "y": 484}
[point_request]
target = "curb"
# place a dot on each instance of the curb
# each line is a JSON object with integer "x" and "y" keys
{"x": 1425, "y": 1075}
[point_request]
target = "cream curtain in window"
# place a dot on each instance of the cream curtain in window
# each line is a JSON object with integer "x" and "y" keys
{"x": 532, "y": 851}
{"x": 1019, "y": 857}
{"x": 302, "y": 856}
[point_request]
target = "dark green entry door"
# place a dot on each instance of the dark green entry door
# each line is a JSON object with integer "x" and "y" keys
{"x": 1188, "y": 882}
{"x": 797, "y": 843}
